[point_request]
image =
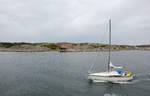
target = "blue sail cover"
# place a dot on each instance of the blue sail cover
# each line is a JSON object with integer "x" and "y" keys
{"x": 118, "y": 71}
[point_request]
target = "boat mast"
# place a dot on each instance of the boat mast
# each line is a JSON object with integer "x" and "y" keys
{"x": 109, "y": 44}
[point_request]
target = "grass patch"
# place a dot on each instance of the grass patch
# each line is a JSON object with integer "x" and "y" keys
{"x": 104, "y": 45}
{"x": 7, "y": 45}
{"x": 95, "y": 46}
{"x": 82, "y": 44}
{"x": 123, "y": 46}
{"x": 51, "y": 46}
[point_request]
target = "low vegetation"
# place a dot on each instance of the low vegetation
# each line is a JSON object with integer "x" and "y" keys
{"x": 23, "y": 46}
{"x": 51, "y": 46}
{"x": 96, "y": 46}
{"x": 8, "y": 45}
{"x": 104, "y": 45}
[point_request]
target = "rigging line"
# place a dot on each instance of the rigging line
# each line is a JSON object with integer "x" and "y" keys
{"x": 97, "y": 55}
{"x": 103, "y": 36}
{"x": 91, "y": 67}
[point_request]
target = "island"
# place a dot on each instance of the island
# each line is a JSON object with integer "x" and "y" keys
{"x": 65, "y": 47}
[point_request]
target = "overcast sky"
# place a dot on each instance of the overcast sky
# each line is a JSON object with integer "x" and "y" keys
{"x": 75, "y": 21}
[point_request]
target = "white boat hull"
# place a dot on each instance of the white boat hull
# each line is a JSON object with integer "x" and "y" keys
{"x": 95, "y": 78}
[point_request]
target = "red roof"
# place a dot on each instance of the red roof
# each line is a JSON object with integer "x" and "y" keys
{"x": 63, "y": 46}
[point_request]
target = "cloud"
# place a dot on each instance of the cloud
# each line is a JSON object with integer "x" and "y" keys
{"x": 74, "y": 21}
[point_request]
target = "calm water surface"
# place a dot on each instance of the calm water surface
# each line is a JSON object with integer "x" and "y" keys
{"x": 65, "y": 74}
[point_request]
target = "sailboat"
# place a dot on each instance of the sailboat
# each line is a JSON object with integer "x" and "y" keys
{"x": 113, "y": 74}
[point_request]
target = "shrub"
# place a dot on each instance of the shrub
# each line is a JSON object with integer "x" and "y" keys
{"x": 7, "y": 45}
{"x": 123, "y": 46}
{"x": 51, "y": 46}
{"x": 82, "y": 44}
{"x": 104, "y": 45}
{"x": 95, "y": 46}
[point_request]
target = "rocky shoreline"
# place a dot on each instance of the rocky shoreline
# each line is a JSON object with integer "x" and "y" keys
{"x": 70, "y": 47}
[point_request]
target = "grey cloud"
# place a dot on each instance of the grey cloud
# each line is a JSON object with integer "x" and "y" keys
{"x": 75, "y": 21}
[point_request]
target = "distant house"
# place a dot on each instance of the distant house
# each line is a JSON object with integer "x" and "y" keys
{"x": 63, "y": 48}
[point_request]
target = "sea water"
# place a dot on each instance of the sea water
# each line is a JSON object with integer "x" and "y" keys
{"x": 65, "y": 74}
